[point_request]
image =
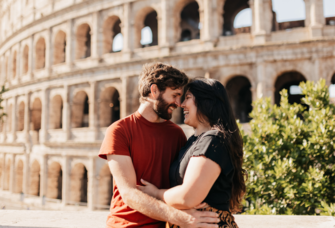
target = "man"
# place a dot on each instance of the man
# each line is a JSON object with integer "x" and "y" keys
{"x": 142, "y": 146}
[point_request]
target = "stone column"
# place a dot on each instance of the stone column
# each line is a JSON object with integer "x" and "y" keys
{"x": 43, "y": 177}
{"x": 66, "y": 113}
{"x": 45, "y": 112}
{"x": 65, "y": 181}
{"x": 48, "y": 52}
{"x": 262, "y": 18}
{"x": 209, "y": 25}
{"x": 31, "y": 58}
{"x": 97, "y": 40}
{"x": 26, "y": 178}
{"x": 14, "y": 119}
{"x": 93, "y": 109}
{"x": 165, "y": 28}
{"x": 4, "y": 123}
{"x": 3, "y": 165}
{"x": 12, "y": 174}
{"x": 70, "y": 50}
{"x": 27, "y": 117}
{"x": 315, "y": 19}
{"x": 18, "y": 63}
{"x": 91, "y": 184}
{"x": 123, "y": 98}
{"x": 127, "y": 26}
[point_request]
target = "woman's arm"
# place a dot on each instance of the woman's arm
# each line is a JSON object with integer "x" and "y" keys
{"x": 201, "y": 173}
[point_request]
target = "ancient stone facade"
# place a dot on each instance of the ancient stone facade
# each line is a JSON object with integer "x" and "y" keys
{"x": 67, "y": 83}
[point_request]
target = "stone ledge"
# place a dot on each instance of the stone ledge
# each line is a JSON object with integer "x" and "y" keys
{"x": 83, "y": 219}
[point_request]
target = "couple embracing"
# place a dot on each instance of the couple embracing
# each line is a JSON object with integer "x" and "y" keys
{"x": 161, "y": 179}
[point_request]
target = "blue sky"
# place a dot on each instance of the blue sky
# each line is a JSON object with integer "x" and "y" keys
{"x": 295, "y": 11}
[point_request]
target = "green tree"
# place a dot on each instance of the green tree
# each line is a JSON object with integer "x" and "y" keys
{"x": 289, "y": 153}
{"x": 2, "y": 114}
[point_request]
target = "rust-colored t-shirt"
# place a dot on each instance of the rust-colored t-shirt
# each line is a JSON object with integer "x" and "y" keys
{"x": 152, "y": 148}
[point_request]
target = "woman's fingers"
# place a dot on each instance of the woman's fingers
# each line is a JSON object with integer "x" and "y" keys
{"x": 144, "y": 182}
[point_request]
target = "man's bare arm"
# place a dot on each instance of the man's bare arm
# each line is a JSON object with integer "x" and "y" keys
{"x": 125, "y": 177}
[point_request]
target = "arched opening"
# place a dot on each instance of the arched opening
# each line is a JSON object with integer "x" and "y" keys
{"x": 7, "y": 175}
{"x": 190, "y": 22}
{"x": 36, "y": 115}
{"x": 9, "y": 118}
{"x": 25, "y": 59}
{"x": 20, "y": 120}
{"x": 286, "y": 18}
{"x": 105, "y": 186}
{"x": 111, "y": 29}
{"x": 56, "y": 112}
{"x": 118, "y": 43}
{"x": 14, "y": 64}
{"x": 79, "y": 180}
{"x": 19, "y": 177}
{"x": 231, "y": 8}
{"x": 243, "y": 21}
{"x": 332, "y": 89}
{"x": 55, "y": 174}
{"x": 240, "y": 97}
{"x": 109, "y": 107}
{"x": 60, "y": 47}
{"x": 289, "y": 81}
{"x": 147, "y": 27}
{"x": 83, "y": 37}
{"x": 329, "y": 11}
{"x": 40, "y": 54}
{"x": 34, "y": 187}
{"x": 80, "y": 110}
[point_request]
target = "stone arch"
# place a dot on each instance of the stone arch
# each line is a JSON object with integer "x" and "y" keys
{"x": 19, "y": 177}
{"x": 79, "y": 181}
{"x": 285, "y": 81}
{"x": 80, "y": 110}
{"x": 146, "y": 17}
{"x": 231, "y": 8}
{"x": 56, "y": 112}
{"x": 14, "y": 64}
{"x": 190, "y": 22}
{"x": 59, "y": 47}
{"x": 36, "y": 115}
{"x": 7, "y": 174}
{"x": 34, "y": 187}
{"x": 179, "y": 25}
{"x": 105, "y": 186}
{"x": 109, "y": 108}
{"x": 240, "y": 97}
{"x": 83, "y": 38}
{"x": 111, "y": 28}
{"x": 25, "y": 57}
{"x": 40, "y": 53}
{"x": 20, "y": 120}
{"x": 55, "y": 174}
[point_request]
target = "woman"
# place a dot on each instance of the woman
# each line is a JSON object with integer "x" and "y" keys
{"x": 209, "y": 166}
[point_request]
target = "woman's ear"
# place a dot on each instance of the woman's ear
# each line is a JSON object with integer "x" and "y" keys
{"x": 154, "y": 91}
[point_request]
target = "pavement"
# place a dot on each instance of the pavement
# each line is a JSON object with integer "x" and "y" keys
{"x": 97, "y": 219}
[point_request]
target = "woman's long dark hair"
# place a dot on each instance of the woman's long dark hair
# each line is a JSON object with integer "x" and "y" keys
{"x": 213, "y": 107}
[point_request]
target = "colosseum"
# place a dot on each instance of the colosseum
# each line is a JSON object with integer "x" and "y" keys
{"x": 68, "y": 82}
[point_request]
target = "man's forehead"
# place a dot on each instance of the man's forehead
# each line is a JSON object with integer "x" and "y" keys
{"x": 173, "y": 90}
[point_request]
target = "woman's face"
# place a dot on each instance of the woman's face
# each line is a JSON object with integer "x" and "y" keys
{"x": 190, "y": 110}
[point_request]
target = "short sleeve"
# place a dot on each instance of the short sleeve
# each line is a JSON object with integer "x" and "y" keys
{"x": 213, "y": 148}
{"x": 115, "y": 141}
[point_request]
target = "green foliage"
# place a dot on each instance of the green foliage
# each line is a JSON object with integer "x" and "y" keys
{"x": 289, "y": 153}
{"x": 328, "y": 210}
{"x": 2, "y": 114}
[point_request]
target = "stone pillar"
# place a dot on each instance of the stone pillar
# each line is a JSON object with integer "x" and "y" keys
{"x": 165, "y": 28}
{"x": 43, "y": 177}
{"x": 31, "y": 58}
{"x": 66, "y": 180}
{"x": 127, "y": 31}
{"x": 209, "y": 16}
{"x": 45, "y": 111}
{"x": 315, "y": 19}
{"x": 261, "y": 87}
{"x": 123, "y": 98}
{"x": 91, "y": 184}
{"x": 5, "y": 106}
{"x": 70, "y": 50}
{"x": 48, "y": 51}
{"x": 93, "y": 110}
{"x": 97, "y": 40}
{"x": 262, "y": 18}
{"x": 66, "y": 113}
{"x": 12, "y": 174}
{"x": 3, "y": 165}
{"x": 14, "y": 119}
{"x": 26, "y": 177}
{"x": 18, "y": 63}
{"x": 27, "y": 117}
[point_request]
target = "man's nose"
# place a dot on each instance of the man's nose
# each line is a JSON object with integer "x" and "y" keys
{"x": 178, "y": 102}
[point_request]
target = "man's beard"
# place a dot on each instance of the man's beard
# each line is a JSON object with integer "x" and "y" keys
{"x": 161, "y": 108}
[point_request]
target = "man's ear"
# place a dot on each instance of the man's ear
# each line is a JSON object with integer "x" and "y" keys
{"x": 154, "y": 91}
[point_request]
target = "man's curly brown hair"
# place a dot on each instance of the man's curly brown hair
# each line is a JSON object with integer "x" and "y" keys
{"x": 163, "y": 76}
